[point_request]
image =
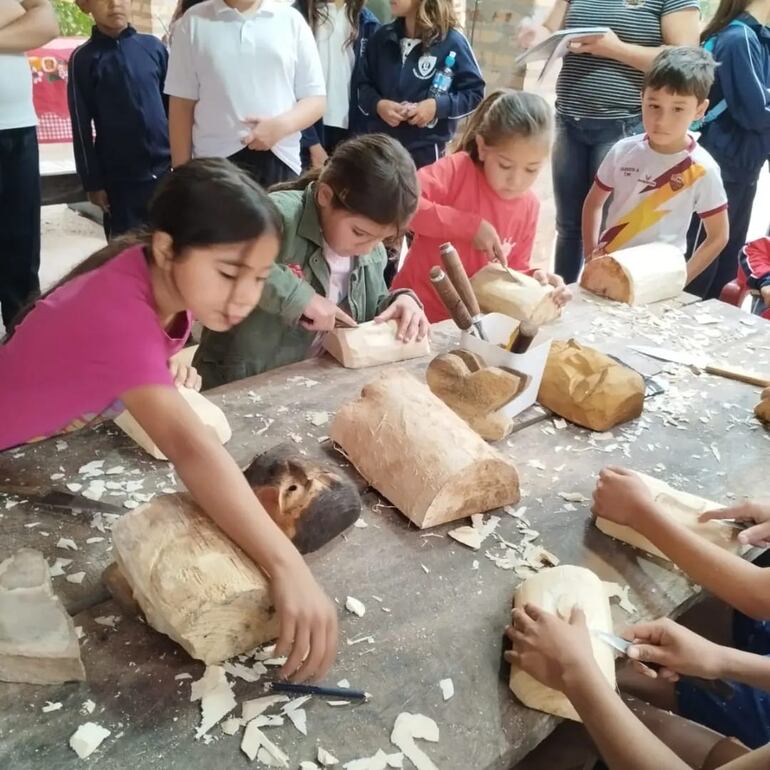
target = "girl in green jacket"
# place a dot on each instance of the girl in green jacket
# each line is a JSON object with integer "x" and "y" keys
{"x": 331, "y": 263}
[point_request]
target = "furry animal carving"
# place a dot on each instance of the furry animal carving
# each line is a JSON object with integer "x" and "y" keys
{"x": 311, "y": 504}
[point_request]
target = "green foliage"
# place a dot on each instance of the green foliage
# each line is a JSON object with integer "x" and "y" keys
{"x": 72, "y": 21}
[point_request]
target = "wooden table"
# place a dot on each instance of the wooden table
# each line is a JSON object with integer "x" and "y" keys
{"x": 441, "y": 608}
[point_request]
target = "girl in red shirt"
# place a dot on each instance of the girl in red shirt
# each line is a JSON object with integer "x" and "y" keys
{"x": 480, "y": 197}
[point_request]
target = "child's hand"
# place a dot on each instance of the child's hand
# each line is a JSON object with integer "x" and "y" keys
{"x": 264, "y": 133}
{"x": 424, "y": 113}
{"x": 391, "y": 112}
{"x": 318, "y": 156}
{"x": 99, "y": 198}
{"x": 185, "y": 376}
{"x": 754, "y": 511}
{"x": 765, "y": 293}
{"x": 412, "y": 322}
{"x": 548, "y": 647}
{"x": 307, "y": 622}
{"x": 488, "y": 241}
{"x": 677, "y": 649}
{"x": 561, "y": 294}
{"x": 323, "y": 315}
{"x": 621, "y": 496}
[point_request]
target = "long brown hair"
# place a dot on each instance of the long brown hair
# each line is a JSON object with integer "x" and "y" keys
{"x": 434, "y": 19}
{"x": 728, "y": 11}
{"x": 370, "y": 175}
{"x": 203, "y": 203}
{"x": 502, "y": 115}
{"x": 316, "y": 12}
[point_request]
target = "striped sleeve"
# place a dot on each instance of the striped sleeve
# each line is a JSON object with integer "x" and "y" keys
{"x": 672, "y": 6}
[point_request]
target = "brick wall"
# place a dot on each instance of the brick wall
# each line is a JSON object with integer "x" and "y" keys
{"x": 152, "y": 15}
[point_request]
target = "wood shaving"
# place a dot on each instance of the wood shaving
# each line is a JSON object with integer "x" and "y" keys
{"x": 94, "y": 490}
{"x": 536, "y": 464}
{"x": 536, "y": 556}
{"x": 447, "y": 688}
{"x": 51, "y": 706}
{"x": 94, "y": 468}
{"x": 256, "y": 744}
{"x": 87, "y": 707}
{"x": 355, "y": 606}
{"x": 425, "y": 569}
{"x": 275, "y": 661}
{"x": 308, "y": 766}
{"x": 92, "y": 540}
{"x": 87, "y": 739}
{"x": 715, "y": 452}
{"x": 360, "y": 523}
{"x": 75, "y": 577}
{"x": 344, "y": 684}
{"x": 409, "y": 727}
{"x": 325, "y": 759}
{"x": 107, "y": 620}
{"x": 243, "y": 672}
{"x": 74, "y": 486}
{"x": 295, "y": 704}
{"x": 338, "y": 702}
{"x": 216, "y": 696}
{"x": 360, "y": 640}
{"x": 66, "y": 544}
{"x": 298, "y": 717}
{"x": 573, "y": 497}
{"x": 231, "y": 726}
{"x": 317, "y": 418}
{"x": 380, "y": 761}
{"x": 616, "y": 591}
{"x": 253, "y": 708}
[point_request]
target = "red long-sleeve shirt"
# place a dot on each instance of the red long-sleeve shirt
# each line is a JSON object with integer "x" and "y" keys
{"x": 454, "y": 198}
{"x": 754, "y": 266}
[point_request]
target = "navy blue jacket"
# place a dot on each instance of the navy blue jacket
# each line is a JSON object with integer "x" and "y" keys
{"x": 115, "y": 86}
{"x": 367, "y": 26}
{"x": 384, "y": 76}
{"x": 739, "y": 139}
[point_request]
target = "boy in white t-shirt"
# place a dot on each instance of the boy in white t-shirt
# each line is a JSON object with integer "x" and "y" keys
{"x": 659, "y": 179}
{"x": 244, "y": 79}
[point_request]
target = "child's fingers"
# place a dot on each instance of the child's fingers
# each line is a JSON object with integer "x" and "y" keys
{"x": 645, "y": 670}
{"x": 424, "y": 327}
{"x": 287, "y": 623}
{"x": 294, "y": 667}
{"x": 341, "y": 315}
{"x": 413, "y": 328}
{"x": 403, "y": 324}
{"x": 755, "y": 535}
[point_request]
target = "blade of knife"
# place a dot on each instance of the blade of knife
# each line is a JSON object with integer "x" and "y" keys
{"x": 666, "y": 354}
{"x": 60, "y": 500}
{"x": 718, "y": 686}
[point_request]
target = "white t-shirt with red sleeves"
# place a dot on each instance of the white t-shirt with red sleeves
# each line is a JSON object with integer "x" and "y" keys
{"x": 654, "y": 195}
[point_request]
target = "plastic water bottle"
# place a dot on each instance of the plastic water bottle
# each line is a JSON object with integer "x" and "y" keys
{"x": 442, "y": 81}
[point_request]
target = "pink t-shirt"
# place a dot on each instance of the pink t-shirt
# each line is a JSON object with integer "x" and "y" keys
{"x": 70, "y": 360}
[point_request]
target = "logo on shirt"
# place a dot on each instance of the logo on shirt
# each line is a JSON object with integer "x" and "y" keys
{"x": 676, "y": 182}
{"x": 634, "y": 4}
{"x": 426, "y": 66}
{"x": 628, "y": 170}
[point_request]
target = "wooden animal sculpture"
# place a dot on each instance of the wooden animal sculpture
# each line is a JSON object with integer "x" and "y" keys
{"x": 312, "y": 504}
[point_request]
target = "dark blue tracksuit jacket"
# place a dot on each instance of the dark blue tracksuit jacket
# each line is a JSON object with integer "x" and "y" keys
{"x": 384, "y": 76}
{"x": 739, "y": 139}
{"x": 116, "y": 86}
{"x": 367, "y": 25}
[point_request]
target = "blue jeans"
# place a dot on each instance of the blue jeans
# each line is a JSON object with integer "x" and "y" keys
{"x": 579, "y": 149}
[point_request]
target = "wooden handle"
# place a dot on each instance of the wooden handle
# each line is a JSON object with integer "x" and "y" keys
{"x": 741, "y": 375}
{"x": 459, "y": 278}
{"x": 448, "y": 295}
{"x": 527, "y": 333}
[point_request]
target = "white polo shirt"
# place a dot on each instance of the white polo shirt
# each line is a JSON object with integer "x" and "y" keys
{"x": 337, "y": 60}
{"x": 237, "y": 66}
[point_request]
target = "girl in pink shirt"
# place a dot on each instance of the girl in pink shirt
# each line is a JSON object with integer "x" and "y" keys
{"x": 480, "y": 197}
{"x": 100, "y": 340}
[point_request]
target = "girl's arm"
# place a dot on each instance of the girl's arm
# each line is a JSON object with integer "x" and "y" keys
{"x": 180, "y": 127}
{"x": 622, "y": 497}
{"x": 468, "y": 85}
{"x": 678, "y": 28}
{"x": 36, "y": 27}
{"x": 436, "y": 217}
{"x": 308, "y": 621}
{"x": 10, "y": 10}
{"x": 592, "y": 218}
{"x": 742, "y": 78}
{"x": 717, "y": 228}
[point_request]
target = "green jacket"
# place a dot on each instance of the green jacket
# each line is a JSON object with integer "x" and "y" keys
{"x": 271, "y": 336}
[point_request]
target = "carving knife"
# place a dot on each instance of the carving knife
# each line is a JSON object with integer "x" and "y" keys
{"x": 459, "y": 278}
{"x": 688, "y": 359}
{"x": 59, "y": 499}
{"x": 718, "y": 686}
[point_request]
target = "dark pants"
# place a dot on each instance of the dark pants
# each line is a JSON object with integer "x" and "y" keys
{"x": 19, "y": 220}
{"x": 424, "y": 156}
{"x": 740, "y": 199}
{"x": 263, "y": 166}
{"x": 128, "y": 206}
{"x": 579, "y": 149}
{"x": 332, "y": 136}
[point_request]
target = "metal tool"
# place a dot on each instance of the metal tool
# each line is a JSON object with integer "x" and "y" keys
{"x": 58, "y": 499}
{"x": 688, "y": 359}
{"x": 652, "y": 387}
{"x": 451, "y": 299}
{"x": 339, "y": 323}
{"x": 717, "y": 686}
{"x": 456, "y": 271}
{"x": 325, "y": 692}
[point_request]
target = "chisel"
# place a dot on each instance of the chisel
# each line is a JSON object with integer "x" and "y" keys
{"x": 456, "y": 271}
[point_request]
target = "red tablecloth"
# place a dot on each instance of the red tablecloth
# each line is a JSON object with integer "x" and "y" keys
{"x": 49, "y": 88}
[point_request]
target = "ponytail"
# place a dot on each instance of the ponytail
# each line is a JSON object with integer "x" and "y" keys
{"x": 727, "y": 11}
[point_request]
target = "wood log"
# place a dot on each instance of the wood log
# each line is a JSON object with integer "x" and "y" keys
{"x": 415, "y": 451}
{"x": 372, "y": 344}
{"x": 558, "y": 590}
{"x": 762, "y": 410}
{"x": 191, "y": 581}
{"x": 637, "y": 276}
{"x": 38, "y": 643}
{"x": 588, "y": 388}
{"x": 502, "y": 290}
{"x": 476, "y": 393}
{"x": 210, "y": 415}
{"x": 683, "y": 508}
{"x": 311, "y": 503}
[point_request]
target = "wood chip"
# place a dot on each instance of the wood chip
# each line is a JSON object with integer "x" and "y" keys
{"x": 66, "y": 544}
{"x": 231, "y": 726}
{"x": 318, "y": 418}
{"x": 616, "y": 591}
{"x": 216, "y": 696}
{"x": 573, "y": 497}
{"x": 253, "y": 708}
{"x": 298, "y": 717}
{"x": 51, "y": 706}
{"x": 355, "y": 606}
{"x": 409, "y": 727}
{"x": 87, "y": 707}
{"x": 107, "y": 620}
{"x": 255, "y": 743}
{"x": 243, "y": 672}
{"x": 87, "y": 739}
{"x": 75, "y": 577}
{"x": 325, "y": 759}
{"x": 447, "y": 688}
{"x": 296, "y": 703}
{"x": 360, "y": 523}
